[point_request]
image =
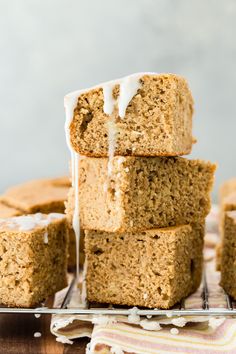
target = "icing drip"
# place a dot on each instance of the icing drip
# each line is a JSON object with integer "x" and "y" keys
{"x": 70, "y": 104}
{"x": 112, "y": 134}
{"x": 128, "y": 88}
{"x": 76, "y": 219}
{"x": 45, "y": 237}
{"x": 108, "y": 108}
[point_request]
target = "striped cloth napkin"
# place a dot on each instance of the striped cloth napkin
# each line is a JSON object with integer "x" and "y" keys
{"x": 193, "y": 334}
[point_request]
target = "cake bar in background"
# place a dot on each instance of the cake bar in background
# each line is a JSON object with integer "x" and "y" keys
{"x": 33, "y": 258}
{"x": 41, "y": 195}
{"x": 228, "y": 254}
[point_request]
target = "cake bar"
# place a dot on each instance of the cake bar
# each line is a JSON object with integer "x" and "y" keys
{"x": 228, "y": 254}
{"x": 153, "y": 268}
{"x": 33, "y": 258}
{"x": 142, "y": 193}
{"x": 145, "y": 114}
{"x": 41, "y": 195}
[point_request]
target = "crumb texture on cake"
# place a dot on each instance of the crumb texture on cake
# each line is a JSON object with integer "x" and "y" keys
{"x": 143, "y": 193}
{"x": 152, "y": 268}
{"x": 33, "y": 259}
{"x": 157, "y": 121}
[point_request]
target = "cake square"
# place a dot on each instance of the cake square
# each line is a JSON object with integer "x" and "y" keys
{"x": 228, "y": 254}
{"x": 152, "y": 268}
{"x": 33, "y": 258}
{"x": 227, "y": 203}
{"x": 142, "y": 193}
{"x": 156, "y": 120}
{"x": 6, "y": 211}
{"x": 41, "y": 195}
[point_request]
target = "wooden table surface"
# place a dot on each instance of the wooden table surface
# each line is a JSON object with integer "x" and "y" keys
{"x": 17, "y": 336}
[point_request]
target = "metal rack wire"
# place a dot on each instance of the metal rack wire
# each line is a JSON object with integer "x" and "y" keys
{"x": 94, "y": 309}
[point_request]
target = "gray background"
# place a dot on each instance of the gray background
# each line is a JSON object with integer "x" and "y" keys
{"x": 49, "y": 48}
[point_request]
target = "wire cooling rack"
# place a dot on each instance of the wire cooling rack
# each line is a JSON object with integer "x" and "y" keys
{"x": 94, "y": 309}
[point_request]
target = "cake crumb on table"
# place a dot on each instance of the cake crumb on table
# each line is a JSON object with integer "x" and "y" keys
{"x": 174, "y": 331}
{"x": 37, "y": 334}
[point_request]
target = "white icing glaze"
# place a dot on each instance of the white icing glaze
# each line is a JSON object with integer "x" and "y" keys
{"x": 71, "y": 99}
{"x": 129, "y": 86}
{"x": 88, "y": 348}
{"x": 29, "y": 222}
{"x": 112, "y": 135}
{"x": 45, "y": 237}
{"x": 84, "y": 289}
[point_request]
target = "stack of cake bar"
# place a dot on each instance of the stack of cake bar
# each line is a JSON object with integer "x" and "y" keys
{"x": 142, "y": 206}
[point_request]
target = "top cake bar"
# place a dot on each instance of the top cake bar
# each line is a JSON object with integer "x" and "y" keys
{"x": 144, "y": 114}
